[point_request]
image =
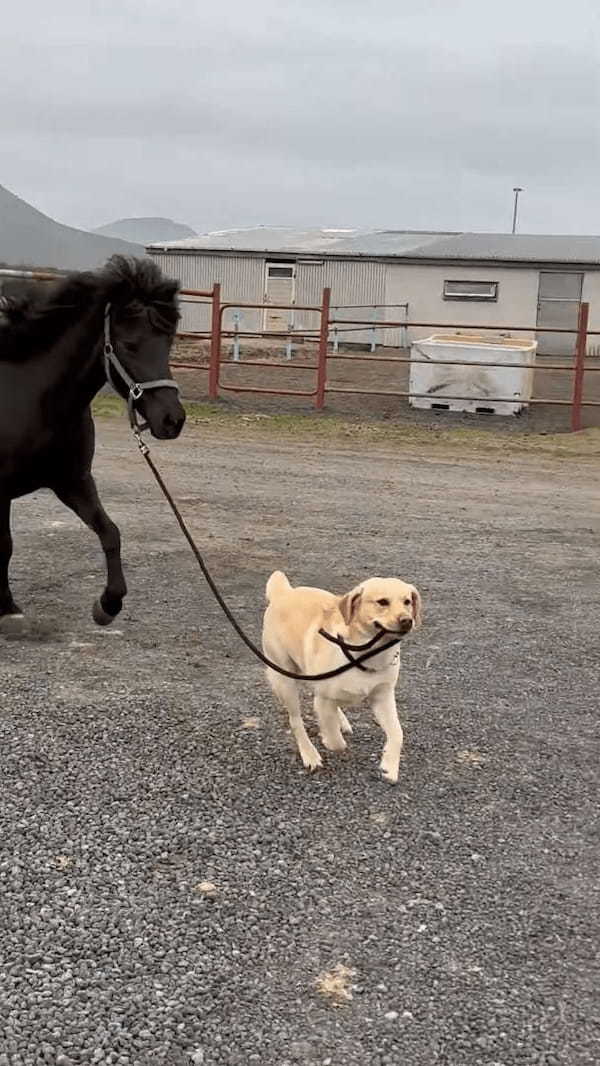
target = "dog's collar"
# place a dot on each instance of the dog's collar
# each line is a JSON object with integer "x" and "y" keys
{"x": 349, "y": 648}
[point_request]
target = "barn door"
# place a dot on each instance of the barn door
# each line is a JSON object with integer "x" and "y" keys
{"x": 559, "y": 298}
{"x": 280, "y": 288}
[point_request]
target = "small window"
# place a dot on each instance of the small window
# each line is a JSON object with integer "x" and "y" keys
{"x": 281, "y": 272}
{"x": 470, "y": 290}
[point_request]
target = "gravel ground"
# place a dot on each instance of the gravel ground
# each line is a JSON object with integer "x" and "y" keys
{"x": 142, "y": 761}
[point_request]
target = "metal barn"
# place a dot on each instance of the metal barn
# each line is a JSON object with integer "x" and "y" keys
{"x": 387, "y": 275}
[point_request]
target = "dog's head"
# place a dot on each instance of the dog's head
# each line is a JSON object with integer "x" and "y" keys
{"x": 382, "y": 604}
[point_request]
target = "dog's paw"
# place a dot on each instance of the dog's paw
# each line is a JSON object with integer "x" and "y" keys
{"x": 335, "y": 743}
{"x": 311, "y": 760}
{"x": 344, "y": 723}
{"x": 389, "y": 772}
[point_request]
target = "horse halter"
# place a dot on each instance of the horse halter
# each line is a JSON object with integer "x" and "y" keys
{"x": 136, "y": 389}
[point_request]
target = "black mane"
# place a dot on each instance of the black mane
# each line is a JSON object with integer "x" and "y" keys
{"x": 33, "y": 315}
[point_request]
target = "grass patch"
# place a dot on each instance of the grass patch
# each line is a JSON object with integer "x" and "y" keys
{"x": 337, "y": 429}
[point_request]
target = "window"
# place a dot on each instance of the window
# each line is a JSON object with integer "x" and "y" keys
{"x": 281, "y": 272}
{"x": 470, "y": 290}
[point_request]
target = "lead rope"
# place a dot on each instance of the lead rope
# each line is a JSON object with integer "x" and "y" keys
{"x": 367, "y": 649}
{"x": 135, "y": 391}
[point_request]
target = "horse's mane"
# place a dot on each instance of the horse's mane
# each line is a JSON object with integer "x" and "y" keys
{"x": 34, "y": 315}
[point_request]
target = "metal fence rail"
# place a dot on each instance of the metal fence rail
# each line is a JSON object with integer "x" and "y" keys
{"x": 321, "y": 388}
{"x": 322, "y": 338}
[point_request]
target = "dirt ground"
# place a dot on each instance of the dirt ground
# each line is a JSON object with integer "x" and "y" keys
{"x": 363, "y": 372}
{"x": 143, "y": 760}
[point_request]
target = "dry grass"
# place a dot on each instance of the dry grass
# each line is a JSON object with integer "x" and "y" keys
{"x": 63, "y": 862}
{"x": 471, "y": 758}
{"x": 206, "y": 888}
{"x": 336, "y": 985}
{"x": 342, "y": 431}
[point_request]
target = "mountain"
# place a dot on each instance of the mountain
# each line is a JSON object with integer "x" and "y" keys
{"x": 146, "y": 230}
{"x": 29, "y": 238}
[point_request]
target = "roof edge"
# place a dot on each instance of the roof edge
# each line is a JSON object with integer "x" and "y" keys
{"x": 408, "y": 259}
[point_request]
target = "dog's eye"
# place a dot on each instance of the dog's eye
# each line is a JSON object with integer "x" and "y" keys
{"x": 408, "y": 603}
{"x": 383, "y": 603}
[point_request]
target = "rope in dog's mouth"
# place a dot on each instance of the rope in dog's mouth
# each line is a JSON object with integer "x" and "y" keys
{"x": 367, "y": 651}
{"x": 349, "y": 648}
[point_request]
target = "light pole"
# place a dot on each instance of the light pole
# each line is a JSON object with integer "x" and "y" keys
{"x": 516, "y": 191}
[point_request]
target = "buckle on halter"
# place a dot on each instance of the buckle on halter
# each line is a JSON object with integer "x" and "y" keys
{"x": 141, "y": 443}
{"x": 136, "y": 391}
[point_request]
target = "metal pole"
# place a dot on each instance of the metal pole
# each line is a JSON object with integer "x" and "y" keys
{"x": 215, "y": 343}
{"x": 290, "y": 327}
{"x": 34, "y": 275}
{"x": 579, "y": 369}
{"x": 322, "y": 358}
{"x": 236, "y": 336}
{"x": 373, "y": 343}
{"x": 516, "y": 191}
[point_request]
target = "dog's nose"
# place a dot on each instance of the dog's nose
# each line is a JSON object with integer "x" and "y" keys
{"x": 404, "y": 624}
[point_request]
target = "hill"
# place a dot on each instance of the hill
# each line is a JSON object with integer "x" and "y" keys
{"x": 31, "y": 239}
{"x": 146, "y": 230}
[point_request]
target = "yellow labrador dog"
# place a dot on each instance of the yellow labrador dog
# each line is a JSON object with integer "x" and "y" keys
{"x": 291, "y": 638}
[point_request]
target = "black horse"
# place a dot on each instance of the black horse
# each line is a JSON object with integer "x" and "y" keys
{"x": 59, "y": 342}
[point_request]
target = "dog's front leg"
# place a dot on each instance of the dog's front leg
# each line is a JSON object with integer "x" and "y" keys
{"x": 386, "y": 716}
{"x": 328, "y": 717}
{"x": 287, "y": 693}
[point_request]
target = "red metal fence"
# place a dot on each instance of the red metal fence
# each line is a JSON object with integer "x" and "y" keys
{"x": 320, "y": 389}
{"x": 321, "y": 337}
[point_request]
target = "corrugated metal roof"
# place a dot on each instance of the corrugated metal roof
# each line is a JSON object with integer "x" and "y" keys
{"x": 518, "y": 247}
{"x": 297, "y": 242}
{"x": 402, "y": 244}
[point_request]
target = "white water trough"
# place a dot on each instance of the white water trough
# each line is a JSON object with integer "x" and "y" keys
{"x": 476, "y": 386}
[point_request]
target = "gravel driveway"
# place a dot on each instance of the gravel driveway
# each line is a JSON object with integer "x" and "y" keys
{"x": 141, "y": 765}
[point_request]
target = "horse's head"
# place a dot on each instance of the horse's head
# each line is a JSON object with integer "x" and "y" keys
{"x": 142, "y": 322}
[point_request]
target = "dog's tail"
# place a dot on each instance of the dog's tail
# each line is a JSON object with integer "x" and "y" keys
{"x": 277, "y": 583}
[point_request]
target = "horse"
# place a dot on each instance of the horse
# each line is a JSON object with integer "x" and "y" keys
{"x": 60, "y": 342}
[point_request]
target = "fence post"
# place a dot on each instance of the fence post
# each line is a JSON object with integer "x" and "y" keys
{"x": 215, "y": 344}
{"x": 322, "y": 357}
{"x": 579, "y": 368}
{"x": 237, "y": 315}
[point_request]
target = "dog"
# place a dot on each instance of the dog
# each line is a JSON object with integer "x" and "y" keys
{"x": 292, "y": 639}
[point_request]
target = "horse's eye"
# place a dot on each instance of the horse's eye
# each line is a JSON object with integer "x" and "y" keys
{"x": 383, "y": 603}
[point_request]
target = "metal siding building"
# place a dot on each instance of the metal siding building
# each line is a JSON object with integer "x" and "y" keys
{"x": 534, "y": 280}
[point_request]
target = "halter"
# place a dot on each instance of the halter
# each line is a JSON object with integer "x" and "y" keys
{"x": 136, "y": 389}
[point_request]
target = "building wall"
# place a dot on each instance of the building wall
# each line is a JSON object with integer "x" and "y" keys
{"x": 423, "y": 286}
{"x": 351, "y": 282}
{"x": 591, "y": 295}
{"x": 241, "y": 278}
{"x": 362, "y": 282}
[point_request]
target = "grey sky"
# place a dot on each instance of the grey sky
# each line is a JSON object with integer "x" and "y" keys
{"x": 389, "y": 113}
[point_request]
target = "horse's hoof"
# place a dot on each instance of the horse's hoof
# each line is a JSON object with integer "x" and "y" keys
{"x": 12, "y": 625}
{"x": 100, "y": 616}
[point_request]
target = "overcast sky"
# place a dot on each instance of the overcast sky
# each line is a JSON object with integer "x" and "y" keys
{"x": 417, "y": 114}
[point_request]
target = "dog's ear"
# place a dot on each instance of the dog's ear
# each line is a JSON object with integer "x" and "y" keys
{"x": 349, "y": 603}
{"x": 417, "y": 607}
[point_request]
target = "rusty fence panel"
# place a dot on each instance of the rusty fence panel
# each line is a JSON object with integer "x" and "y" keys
{"x": 322, "y": 338}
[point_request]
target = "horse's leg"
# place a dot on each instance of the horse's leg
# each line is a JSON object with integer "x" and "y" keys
{"x": 81, "y": 496}
{"x": 7, "y": 604}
